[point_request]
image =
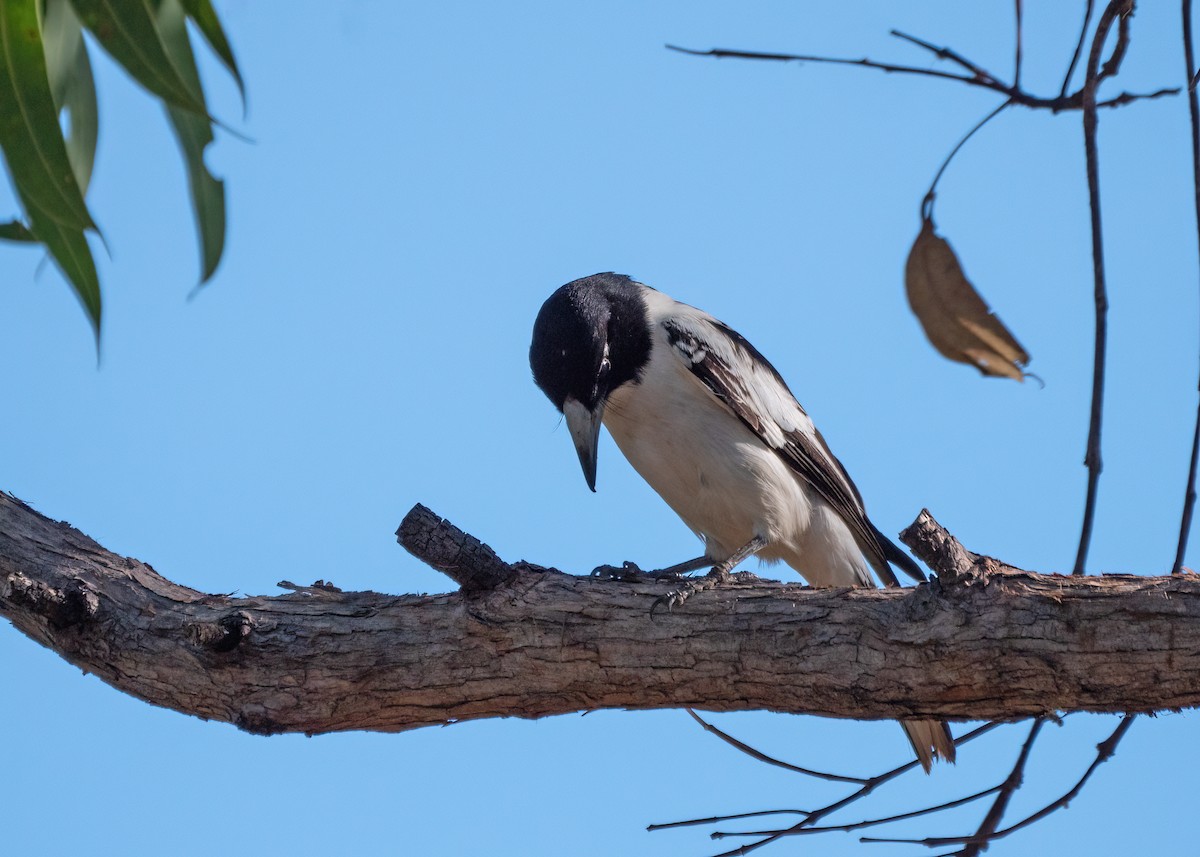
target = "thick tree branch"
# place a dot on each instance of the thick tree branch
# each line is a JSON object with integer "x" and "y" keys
{"x": 982, "y": 641}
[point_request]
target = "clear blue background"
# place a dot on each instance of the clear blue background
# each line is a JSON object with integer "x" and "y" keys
{"x": 422, "y": 176}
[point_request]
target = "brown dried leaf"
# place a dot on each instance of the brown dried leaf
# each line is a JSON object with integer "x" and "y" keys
{"x": 954, "y": 316}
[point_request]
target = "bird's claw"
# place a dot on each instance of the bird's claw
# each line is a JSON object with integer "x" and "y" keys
{"x": 670, "y": 600}
{"x": 629, "y": 571}
{"x": 676, "y": 597}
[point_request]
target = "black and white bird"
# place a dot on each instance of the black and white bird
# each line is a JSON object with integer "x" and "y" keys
{"x": 714, "y": 429}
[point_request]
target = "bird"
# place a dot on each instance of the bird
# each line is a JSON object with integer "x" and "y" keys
{"x": 714, "y": 429}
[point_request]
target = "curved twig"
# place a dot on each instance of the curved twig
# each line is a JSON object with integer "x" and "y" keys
{"x": 931, "y": 194}
{"x": 1092, "y": 457}
{"x": 1019, "y": 46}
{"x": 770, "y": 760}
{"x": 1189, "y": 494}
{"x": 1083, "y": 31}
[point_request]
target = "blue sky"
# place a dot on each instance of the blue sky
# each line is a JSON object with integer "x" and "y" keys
{"x": 421, "y": 177}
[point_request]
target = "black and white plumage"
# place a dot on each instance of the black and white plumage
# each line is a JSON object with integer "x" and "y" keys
{"x": 714, "y": 429}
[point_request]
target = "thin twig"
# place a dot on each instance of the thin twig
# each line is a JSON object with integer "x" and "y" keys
{"x": 1130, "y": 97}
{"x": 1016, "y": 777}
{"x": 1092, "y": 459}
{"x": 725, "y": 53}
{"x": 763, "y": 757}
{"x": 692, "y": 822}
{"x": 944, "y": 53}
{"x": 978, "y": 77}
{"x": 1017, "y": 64}
{"x": 1105, "y": 750}
{"x": 1124, "y": 14}
{"x": 816, "y": 815}
{"x": 1083, "y": 31}
{"x": 1189, "y": 495}
{"x": 927, "y": 202}
{"x": 1189, "y": 499}
{"x": 904, "y": 816}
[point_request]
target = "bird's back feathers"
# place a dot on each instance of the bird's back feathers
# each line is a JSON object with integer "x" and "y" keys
{"x": 745, "y": 382}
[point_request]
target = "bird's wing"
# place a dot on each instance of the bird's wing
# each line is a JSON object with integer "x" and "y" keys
{"x": 744, "y": 381}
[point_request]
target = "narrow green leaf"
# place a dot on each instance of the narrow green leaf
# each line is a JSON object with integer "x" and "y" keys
{"x": 69, "y": 248}
{"x": 71, "y": 82}
{"x": 205, "y": 18}
{"x": 194, "y": 133}
{"x": 29, "y": 131}
{"x": 15, "y": 230}
{"x": 127, "y": 30}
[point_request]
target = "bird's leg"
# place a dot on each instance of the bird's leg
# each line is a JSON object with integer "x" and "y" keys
{"x": 720, "y": 574}
{"x": 629, "y": 571}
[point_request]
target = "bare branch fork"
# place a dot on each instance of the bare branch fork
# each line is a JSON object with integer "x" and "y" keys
{"x": 808, "y": 824}
{"x": 975, "y": 75}
{"x": 972, "y": 844}
{"x": 975, "y": 843}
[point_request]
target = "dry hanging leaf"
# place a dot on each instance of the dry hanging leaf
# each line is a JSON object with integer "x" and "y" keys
{"x": 954, "y": 316}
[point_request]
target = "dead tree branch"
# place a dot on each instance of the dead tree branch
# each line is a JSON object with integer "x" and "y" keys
{"x": 982, "y": 641}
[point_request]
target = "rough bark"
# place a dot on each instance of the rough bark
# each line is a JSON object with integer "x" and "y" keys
{"x": 981, "y": 641}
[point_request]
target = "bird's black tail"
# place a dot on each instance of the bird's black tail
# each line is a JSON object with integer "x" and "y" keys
{"x": 898, "y": 558}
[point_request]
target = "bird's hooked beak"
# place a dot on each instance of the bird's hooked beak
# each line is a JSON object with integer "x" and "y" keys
{"x": 584, "y": 426}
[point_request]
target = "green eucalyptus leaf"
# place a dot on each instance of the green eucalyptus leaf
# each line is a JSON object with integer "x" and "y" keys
{"x": 206, "y": 20}
{"x": 69, "y": 248}
{"x": 127, "y": 30}
{"x": 72, "y": 84}
{"x": 15, "y": 230}
{"x": 194, "y": 133}
{"x": 30, "y": 134}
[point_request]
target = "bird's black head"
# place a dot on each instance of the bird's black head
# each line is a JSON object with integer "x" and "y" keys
{"x": 591, "y": 336}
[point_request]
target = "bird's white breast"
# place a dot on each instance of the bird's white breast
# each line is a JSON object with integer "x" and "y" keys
{"x": 718, "y": 476}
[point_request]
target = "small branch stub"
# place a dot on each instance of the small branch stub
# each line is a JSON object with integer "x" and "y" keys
{"x": 463, "y": 558}
{"x": 939, "y": 550}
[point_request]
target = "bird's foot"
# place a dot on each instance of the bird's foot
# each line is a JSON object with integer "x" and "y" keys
{"x": 717, "y": 577}
{"x": 631, "y": 572}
